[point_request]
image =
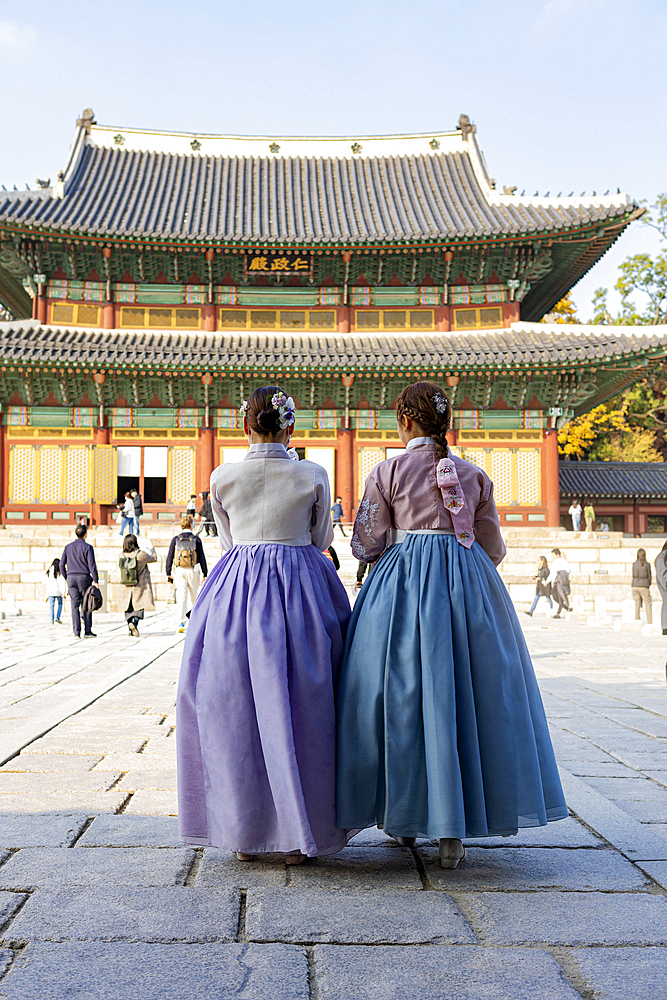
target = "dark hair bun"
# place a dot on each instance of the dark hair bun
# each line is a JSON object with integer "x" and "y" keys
{"x": 261, "y": 414}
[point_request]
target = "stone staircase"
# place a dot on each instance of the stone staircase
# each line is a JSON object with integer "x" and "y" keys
{"x": 601, "y": 565}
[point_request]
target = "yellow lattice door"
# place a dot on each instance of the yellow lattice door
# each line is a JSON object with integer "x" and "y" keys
{"x": 501, "y": 474}
{"x": 104, "y": 474}
{"x": 528, "y": 475}
{"x": 368, "y": 459}
{"x": 50, "y": 474}
{"x": 181, "y": 481}
{"x": 477, "y": 456}
{"x": 22, "y": 473}
{"x": 77, "y": 474}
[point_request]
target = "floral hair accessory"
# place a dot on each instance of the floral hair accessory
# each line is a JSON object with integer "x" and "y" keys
{"x": 439, "y": 402}
{"x": 243, "y": 409}
{"x": 285, "y": 407}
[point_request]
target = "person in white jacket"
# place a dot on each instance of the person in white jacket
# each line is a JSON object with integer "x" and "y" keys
{"x": 56, "y": 588}
{"x": 559, "y": 578}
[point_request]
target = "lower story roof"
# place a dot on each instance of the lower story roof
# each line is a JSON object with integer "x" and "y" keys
{"x": 640, "y": 480}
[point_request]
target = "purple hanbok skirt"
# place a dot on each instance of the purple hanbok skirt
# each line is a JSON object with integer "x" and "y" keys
{"x": 255, "y": 711}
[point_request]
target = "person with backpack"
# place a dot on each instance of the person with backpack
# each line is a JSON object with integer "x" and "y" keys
{"x": 136, "y": 576}
{"x": 186, "y": 564}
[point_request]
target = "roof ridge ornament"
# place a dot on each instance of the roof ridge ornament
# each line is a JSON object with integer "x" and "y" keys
{"x": 465, "y": 126}
{"x": 87, "y": 120}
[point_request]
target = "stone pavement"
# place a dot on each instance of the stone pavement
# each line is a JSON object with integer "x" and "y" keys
{"x": 99, "y": 899}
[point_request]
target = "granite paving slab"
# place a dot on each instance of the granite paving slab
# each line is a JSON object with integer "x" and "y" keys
{"x": 64, "y": 802}
{"x": 535, "y": 868}
{"x": 635, "y": 789}
{"x": 610, "y": 769}
{"x": 151, "y": 802}
{"x": 462, "y": 972}
{"x": 133, "y": 762}
{"x": 564, "y": 833}
{"x": 222, "y": 869}
{"x": 568, "y": 918}
{"x": 646, "y": 811}
{"x": 329, "y": 915}
{"x": 6, "y": 957}
{"x": 63, "y": 868}
{"x": 363, "y": 868}
{"x": 128, "y": 971}
{"x": 174, "y": 913}
{"x": 40, "y": 830}
{"x": 657, "y": 870}
{"x": 94, "y": 743}
{"x": 67, "y": 781}
{"x": 624, "y": 973}
{"x": 54, "y": 762}
{"x": 150, "y": 779}
{"x": 373, "y": 837}
{"x": 130, "y": 831}
{"x": 9, "y": 902}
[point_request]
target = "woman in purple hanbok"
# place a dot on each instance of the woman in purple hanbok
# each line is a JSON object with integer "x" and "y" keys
{"x": 255, "y": 710}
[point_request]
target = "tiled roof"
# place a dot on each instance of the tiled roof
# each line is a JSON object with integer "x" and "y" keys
{"x": 439, "y": 193}
{"x": 521, "y": 344}
{"x": 613, "y": 479}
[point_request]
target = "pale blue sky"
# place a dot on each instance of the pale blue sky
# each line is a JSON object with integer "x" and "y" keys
{"x": 566, "y": 94}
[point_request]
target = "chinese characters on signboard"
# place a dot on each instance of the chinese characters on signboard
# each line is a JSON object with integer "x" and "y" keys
{"x": 280, "y": 263}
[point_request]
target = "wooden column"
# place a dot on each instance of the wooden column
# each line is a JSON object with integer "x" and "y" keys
{"x": 108, "y": 316}
{"x": 345, "y": 471}
{"x": 207, "y": 462}
{"x": 41, "y": 308}
{"x": 101, "y": 435}
{"x": 551, "y": 490}
{"x": 636, "y": 523}
{"x": 4, "y": 466}
{"x": 208, "y": 317}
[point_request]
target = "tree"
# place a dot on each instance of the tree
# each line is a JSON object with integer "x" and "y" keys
{"x": 577, "y": 438}
{"x": 564, "y": 311}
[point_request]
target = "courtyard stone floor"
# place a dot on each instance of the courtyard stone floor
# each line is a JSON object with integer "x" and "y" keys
{"x": 98, "y": 899}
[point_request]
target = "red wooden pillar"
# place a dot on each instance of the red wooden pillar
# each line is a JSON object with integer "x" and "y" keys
{"x": 552, "y": 494}
{"x": 101, "y": 435}
{"x": 207, "y": 462}
{"x": 345, "y": 471}
{"x": 208, "y": 316}
{"x": 108, "y": 316}
{"x": 4, "y": 465}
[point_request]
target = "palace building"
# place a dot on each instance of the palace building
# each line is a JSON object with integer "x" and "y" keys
{"x": 164, "y": 276}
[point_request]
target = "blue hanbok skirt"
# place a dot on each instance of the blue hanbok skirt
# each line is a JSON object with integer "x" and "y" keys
{"x": 255, "y": 709}
{"x": 441, "y": 727}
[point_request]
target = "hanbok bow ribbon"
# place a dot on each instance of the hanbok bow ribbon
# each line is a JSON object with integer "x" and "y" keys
{"x": 455, "y": 502}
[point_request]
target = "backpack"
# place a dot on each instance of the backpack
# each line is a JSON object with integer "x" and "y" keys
{"x": 185, "y": 555}
{"x": 129, "y": 575}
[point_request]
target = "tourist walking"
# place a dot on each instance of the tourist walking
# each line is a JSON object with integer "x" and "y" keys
{"x": 186, "y": 565}
{"x": 255, "y": 707}
{"x": 542, "y": 588}
{"x": 661, "y": 580}
{"x": 589, "y": 516}
{"x": 575, "y": 514}
{"x": 192, "y": 505}
{"x": 206, "y": 521}
{"x": 361, "y": 572}
{"x": 641, "y": 586}
{"x": 337, "y": 513}
{"x": 126, "y": 514}
{"x": 136, "y": 576}
{"x": 441, "y": 729}
{"x": 138, "y": 509}
{"x": 559, "y": 581}
{"x": 78, "y": 566}
{"x": 56, "y": 588}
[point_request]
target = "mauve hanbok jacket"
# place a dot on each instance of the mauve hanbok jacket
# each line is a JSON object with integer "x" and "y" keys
{"x": 402, "y": 493}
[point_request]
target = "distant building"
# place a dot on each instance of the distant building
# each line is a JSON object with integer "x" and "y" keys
{"x": 164, "y": 276}
{"x": 629, "y": 496}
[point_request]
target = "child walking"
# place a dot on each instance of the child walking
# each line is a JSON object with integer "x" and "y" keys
{"x": 441, "y": 729}
{"x": 255, "y": 708}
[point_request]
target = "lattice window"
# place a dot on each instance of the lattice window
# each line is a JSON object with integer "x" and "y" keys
{"x": 181, "y": 474}
{"x": 322, "y": 320}
{"x": 88, "y": 316}
{"x": 232, "y": 319}
{"x": 104, "y": 490}
{"x": 62, "y": 313}
{"x": 421, "y": 319}
{"x": 292, "y": 320}
{"x": 501, "y": 474}
{"x": 77, "y": 465}
{"x": 186, "y": 319}
{"x": 368, "y": 459}
{"x": 159, "y": 317}
{"x": 394, "y": 319}
{"x": 264, "y": 319}
{"x": 469, "y": 319}
{"x": 477, "y": 456}
{"x": 50, "y": 474}
{"x": 367, "y": 320}
{"x": 22, "y": 478}
{"x": 528, "y": 470}
{"x": 132, "y": 317}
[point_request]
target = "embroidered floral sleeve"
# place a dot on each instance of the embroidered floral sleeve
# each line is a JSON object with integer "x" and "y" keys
{"x": 372, "y": 523}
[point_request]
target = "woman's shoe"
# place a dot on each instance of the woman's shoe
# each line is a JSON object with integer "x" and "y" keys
{"x": 404, "y": 841}
{"x": 244, "y": 857}
{"x": 58, "y": 621}
{"x": 451, "y": 852}
{"x": 295, "y": 859}
{"x": 556, "y": 616}
{"x": 133, "y": 630}
{"x": 529, "y": 613}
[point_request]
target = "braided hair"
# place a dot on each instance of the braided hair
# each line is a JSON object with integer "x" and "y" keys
{"x": 262, "y": 416}
{"x": 426, "y": 404}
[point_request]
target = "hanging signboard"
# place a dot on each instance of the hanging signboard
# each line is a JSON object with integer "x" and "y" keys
{"x": 261, "y": 262}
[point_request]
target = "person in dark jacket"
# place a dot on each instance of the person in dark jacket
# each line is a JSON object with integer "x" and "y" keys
{"x": 542, "y": 588}
{"x": 338, "y": 514}
{"x": 138, "y": 509}
{"x": 641, "y": 586}
{"x": 206, "y": 515}
{"x": 78, "y": 566}
{"x": 661, "y": 580}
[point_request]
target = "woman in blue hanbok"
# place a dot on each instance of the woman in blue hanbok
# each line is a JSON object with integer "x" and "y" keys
{"x": 441, "y": 729}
